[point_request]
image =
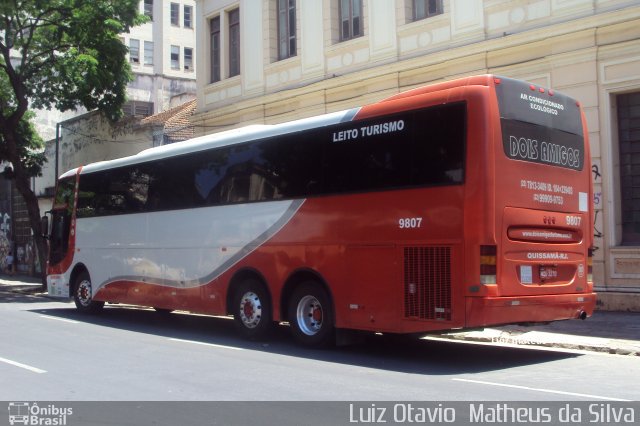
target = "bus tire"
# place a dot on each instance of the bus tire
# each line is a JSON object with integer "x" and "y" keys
{"x": 251, "y": 309}
{"x": 311, "y": 316}
{"x": 82, "y": 295}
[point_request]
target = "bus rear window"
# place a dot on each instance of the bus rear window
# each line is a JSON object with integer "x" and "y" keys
{"x": 539, "y": 125}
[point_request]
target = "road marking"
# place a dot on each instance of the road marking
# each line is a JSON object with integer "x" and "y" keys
{"x": 195, "y": 342}
{"x": 60, "y": 319}
{"x": 25, "y": 366}
{"x": 481, "y": 382}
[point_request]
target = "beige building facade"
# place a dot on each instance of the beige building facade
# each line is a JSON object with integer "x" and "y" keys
{"x": 162, "y": 56}
{"x": 272, "y": 61}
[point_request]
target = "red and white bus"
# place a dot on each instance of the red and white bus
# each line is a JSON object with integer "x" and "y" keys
{"x": 456, "y": 205}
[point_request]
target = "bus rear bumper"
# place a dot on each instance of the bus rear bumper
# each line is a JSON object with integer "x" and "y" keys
{"x": 57, "y": 286}
{"x": 486, "y": 311}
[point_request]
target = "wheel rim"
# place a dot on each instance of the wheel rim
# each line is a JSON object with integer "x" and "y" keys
{"x": 309, "y": 315}
{"x": 84, "y": 292}
{"x": 250, "y": 309}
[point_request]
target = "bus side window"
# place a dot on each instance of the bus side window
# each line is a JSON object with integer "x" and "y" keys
{"x": 235, "y": 189}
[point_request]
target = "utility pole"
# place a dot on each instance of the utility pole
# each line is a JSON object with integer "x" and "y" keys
{"x": 55, "y": 178}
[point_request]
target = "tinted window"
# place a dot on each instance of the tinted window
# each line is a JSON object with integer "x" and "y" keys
{"x": 415, "y": 148}
{"x": 293, "y": 164}
{"x": 419, "y": 148}
{"x": 116, "y": 191}
{"x": 171, "y": 185}
{"x": 539, "y": 125}
{"x": 543, "y": 145}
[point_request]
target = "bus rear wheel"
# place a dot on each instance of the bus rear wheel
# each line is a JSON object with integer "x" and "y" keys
{"x": 311, "y": 315}
{"x": 251, "y": 309}
{"x": 83, "y": 295}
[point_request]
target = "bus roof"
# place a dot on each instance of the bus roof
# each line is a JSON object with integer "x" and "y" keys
{"x": 229, "y": 137}
{"x": 258, "y": 131}
{"x": 477, "y": 80}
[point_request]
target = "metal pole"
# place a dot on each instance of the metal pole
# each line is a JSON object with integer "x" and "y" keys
{"x": 55, "y": 179}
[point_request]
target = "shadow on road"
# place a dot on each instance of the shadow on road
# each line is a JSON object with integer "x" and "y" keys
{"x": 407, "y": 355}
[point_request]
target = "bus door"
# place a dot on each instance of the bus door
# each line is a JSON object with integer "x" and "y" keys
{"x": 61, "y": 240}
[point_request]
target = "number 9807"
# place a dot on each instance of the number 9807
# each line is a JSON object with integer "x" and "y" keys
{"x": 410, "y": 222}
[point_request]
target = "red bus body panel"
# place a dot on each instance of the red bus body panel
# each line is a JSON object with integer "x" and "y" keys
{"x": 371, "y": 266}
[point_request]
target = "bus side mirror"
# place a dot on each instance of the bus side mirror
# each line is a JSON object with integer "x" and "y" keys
{"x": 44, "y": 225}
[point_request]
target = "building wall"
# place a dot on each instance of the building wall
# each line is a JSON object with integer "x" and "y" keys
{"x": 159, "y": 82}
{"x": 589, "y": 49}
{"x": 163, "y": 34}
{"x": 162, "y": 91}
{"x": 6, "y": 219}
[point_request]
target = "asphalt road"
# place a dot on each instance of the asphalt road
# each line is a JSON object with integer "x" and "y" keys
{"x": 50, "y": 352}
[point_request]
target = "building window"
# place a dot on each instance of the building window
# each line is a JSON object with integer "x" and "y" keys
{"x": 629, "y": 147}
{"x": 175, "y": 14}
{"x": 425, "y": 8}
{"x": 137, "y": 108}
{"x": 214, "y": 43}
{"x": 134, "y": 51}
{"x": 148, "y": 8}
{"x": 188, "y": 59}
{"x": 350, "y": 19}
{"x": 148, "y": 53}
{"x": 234, "y": 42}
{"x": 286, "y": 28}
{"x": 188, "y": 16}
{"x": 175, "y": 57}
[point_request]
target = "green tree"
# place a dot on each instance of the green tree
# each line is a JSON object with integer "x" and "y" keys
{"x": 59, "y": 54}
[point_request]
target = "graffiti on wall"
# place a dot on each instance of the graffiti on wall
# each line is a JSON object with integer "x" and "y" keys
{"x": 5, "y": 243}
{"x": 597, "y": 205}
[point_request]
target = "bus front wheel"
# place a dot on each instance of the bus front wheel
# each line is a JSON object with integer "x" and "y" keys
{"x": 83, "y": 295}
{"x": 311, "y": 315}
{"x": 252, "y": 309}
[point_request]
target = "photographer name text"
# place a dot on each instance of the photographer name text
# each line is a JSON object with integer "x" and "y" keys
{"x": 479, "y": 413}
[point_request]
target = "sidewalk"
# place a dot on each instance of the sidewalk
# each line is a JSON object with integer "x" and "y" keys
{"x": 606, "y": 332}
{"x": 21, "y": 283}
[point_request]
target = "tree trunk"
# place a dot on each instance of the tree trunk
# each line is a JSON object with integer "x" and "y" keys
{"x": 22, "y": 183}
{"x": 33, "y": 210}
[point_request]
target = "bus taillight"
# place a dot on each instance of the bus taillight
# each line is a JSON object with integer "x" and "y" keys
{"x": 590, "y": 265}
{"x": 488, "y": 264}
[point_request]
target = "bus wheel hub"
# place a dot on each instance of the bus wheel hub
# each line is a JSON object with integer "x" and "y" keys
{"x": 250, "y": 309}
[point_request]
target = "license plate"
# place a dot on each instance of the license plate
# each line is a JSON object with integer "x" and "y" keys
{"x": 548, "y": 272}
